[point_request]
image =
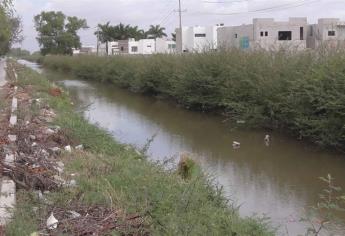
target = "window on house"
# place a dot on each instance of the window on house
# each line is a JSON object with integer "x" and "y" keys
{"x": 134, "y": 49}
{"x": 311, "y": 31}
{"x": 200, "y": 35}
{"x": 244, "y": 42}
{"x": 236, "y": 36}
{"x": 171, "y": 46}
{"x": 122, "y": 49}
{"x": 148, "y": 46}
{"x": 284, "y": 35}
{"x": 266, "y": 33}
{"x": 301, "y": 33}
{"x": 331, "y": 33}
{"x": 261, "y": 33}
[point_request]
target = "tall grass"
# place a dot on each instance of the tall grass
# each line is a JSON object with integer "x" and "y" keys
{"x": 302, "y": 93}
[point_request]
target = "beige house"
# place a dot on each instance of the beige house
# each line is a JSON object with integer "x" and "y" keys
{"x": 328, "y": 32}
{"x": 266, "y": 33}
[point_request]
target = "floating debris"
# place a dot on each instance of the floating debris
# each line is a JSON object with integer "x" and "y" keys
{"x": 236, "y": 145}
{"x": 267, "y": 140}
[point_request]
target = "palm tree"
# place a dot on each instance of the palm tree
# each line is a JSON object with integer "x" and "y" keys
{"x": 173, "y": 35}
{"x": 156, "y": 31}
{"x": 135, "y": 32}
{"x": 104, "y": 34}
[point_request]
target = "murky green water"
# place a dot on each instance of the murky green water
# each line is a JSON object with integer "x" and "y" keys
{"x": 279, "y": 180}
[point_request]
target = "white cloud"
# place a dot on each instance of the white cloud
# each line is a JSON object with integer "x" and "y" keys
{"x": 146, "y": 12}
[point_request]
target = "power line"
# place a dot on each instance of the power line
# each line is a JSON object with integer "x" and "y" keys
{"x": 167, "y": 17}
{"x": 180, "y": 21}
{"x": 278, "y": 7}
{"x": 233, "y": 1}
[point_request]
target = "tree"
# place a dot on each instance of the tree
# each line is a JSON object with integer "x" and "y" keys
{"x": 173, "y": 35}
{"x": 57, "y": 34}
{"x": 105, "y": 34}
{"x": 156, "y": 31}
{"x": 10, "y": 26}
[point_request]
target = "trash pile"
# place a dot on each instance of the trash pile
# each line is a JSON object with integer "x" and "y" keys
{"x": 77, "y": 219}
{"x": 38, "y": 148}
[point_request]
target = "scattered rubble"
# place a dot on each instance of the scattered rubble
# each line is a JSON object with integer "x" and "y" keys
{"x": 77, "y": 219}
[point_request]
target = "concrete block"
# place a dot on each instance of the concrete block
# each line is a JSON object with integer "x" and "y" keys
{"x": 13, "y": 120}
{"x": 9, "y": 159}
{"x": 14, "y": 104}
{"x": 7, "y": 200}
{"x": 12, "y": 138}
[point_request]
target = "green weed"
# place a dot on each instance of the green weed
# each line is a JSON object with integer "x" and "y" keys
{"x": 299, "y": 92}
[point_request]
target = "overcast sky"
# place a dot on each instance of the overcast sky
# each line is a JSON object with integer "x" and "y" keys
{"x": 197, "y": 12}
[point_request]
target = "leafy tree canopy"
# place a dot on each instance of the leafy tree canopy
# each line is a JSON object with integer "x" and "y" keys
{"x": 57, "y": 33}
{"x": 10, "y": 26}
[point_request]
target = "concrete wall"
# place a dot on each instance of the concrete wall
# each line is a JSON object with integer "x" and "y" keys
{"x": 146, "y": 46}
{"x": 264, "y": 33}
{"x": 267, "y": 31}
{"x": 133, "y": 46}
{"x": 319, "y": 34}
{"x": 123, "y": 46}
{"x": 232, "y": 36}
{"x": 197, "y": 39}
{"x": 165, "y": 46}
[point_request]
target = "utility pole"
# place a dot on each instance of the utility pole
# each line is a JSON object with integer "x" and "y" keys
{"x": 180, "y": 16}
{"x": 97, "y": 41}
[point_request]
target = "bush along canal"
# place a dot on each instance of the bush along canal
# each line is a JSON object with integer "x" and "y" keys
{"x": 74, "y": 179}
{"x": 279, "y": 181}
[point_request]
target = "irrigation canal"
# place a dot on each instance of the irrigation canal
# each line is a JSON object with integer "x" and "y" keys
{"x": 279, "y": 180}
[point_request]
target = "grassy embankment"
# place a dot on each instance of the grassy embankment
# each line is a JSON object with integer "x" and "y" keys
{"x": 109, "y": 174}
{"x": 300, "y": 93}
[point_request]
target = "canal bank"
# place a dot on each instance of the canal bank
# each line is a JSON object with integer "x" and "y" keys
{"x": 117, "y": 177}
{"x": 280, "y": 181}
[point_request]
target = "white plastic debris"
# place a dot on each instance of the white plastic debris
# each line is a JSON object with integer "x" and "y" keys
{"x": 241, "y": 122}
{"x": 79, "y": 147}
{"x": 68, "y": 148}
{"x": 52, "y": 222}
{"x": 32, "y": 137}
{"x": 60, "y": 167}
{"x": 267, "y": 140}
{"x": 57, "y": 128}
{"x": 55, "y": 149}
{"x": 40, "y": 195}
{"x": 49, "y": 131}
{"x": 34, "y": 144}
{"x": 44, "y": 153}
{"x": 74, "y": 214}
{"x": 71, "y": 183}
{"x": 236, "y": 144}
{"x": 60, "y": 164}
